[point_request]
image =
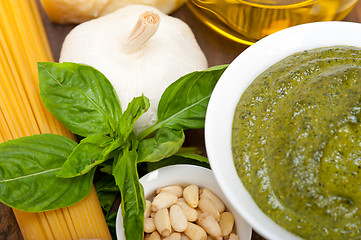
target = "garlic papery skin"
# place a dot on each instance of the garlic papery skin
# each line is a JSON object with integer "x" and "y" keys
{"x": 105, "y": 44}
{"x": 166, "y": 6}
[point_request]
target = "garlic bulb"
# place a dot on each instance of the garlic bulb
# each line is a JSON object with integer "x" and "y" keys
{"x": 78, "y": 11}
{"x": 138, "y": 56}
{"x": 166, "y": 6}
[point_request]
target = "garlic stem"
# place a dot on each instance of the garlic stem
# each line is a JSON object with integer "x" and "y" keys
{"x": 146, "y": 26}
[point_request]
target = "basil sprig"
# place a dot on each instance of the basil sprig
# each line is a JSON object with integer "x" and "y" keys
{"x": 44, "y": 172}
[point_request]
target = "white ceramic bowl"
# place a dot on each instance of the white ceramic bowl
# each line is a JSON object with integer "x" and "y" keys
{"x": 183, "y": 174}
{"x": 241, "y": 72}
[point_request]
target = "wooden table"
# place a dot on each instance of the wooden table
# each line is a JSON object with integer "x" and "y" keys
{"x": 217, "y": 49}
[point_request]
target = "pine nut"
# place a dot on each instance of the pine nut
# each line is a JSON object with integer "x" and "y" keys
{"x": 154, "y": 236}
{"x": 226, "y": 223}
{"x": 174, "y": 236}
{"x": 206, "y": 205}
{"x": 184, "y": 237}
{"x": 187, "y": 214}
{"x": 191, "y": 213}
{"x": 233, "y": 237}
{"x": 178, "y": 219}
{"x": 209, "y": 223}
{"x": 163, "y": 200}
{"x": 191, "y": 195}
{"x": 162, "y": 222}
{"x": 149, "y": 225}
{"x": 175, "y": 189}
{"x": 217, "y": 202}
{"x": 148, "y": 204}
{"x": 195, "y": 232}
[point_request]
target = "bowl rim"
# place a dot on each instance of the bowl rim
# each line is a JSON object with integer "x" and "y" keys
{"x": 219, "y": 117}
{"x": 154, "y": 179}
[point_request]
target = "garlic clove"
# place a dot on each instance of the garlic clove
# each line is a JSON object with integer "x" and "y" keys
{"x": 169, "y": 54}
{"x": 78, "y": 11}
{"x": 73, "y": 11}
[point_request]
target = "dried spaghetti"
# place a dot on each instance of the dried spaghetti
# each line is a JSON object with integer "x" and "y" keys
{"x": 23, "y": 43}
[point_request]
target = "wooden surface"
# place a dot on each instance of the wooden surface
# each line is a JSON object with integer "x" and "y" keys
{"x": 217, "y": 49}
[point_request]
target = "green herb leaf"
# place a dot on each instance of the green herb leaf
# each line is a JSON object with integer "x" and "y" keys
{"x": 173, "y": 160}
{"x": 107, "y": 191}
{"x": 107, "y": 167}
{"x": 191, "y": 153}
{"x": 90, "y": 152}
{"x": 165, "y": 143}
{"x": 184, "y": 103}
{"x": 28, "y": 168}
{"x": 132, "y": 194}
{"x": 80, "y": 97}
{"x": 135, "y": 109}
{"x": 111, "y": 218}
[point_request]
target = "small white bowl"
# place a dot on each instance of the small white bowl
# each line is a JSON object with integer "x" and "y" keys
{"x": 238, "y": 76}
{"x": 183, "y": 175}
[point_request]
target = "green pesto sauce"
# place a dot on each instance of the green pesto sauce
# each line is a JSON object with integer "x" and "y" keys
{"x": 297, "y": 142}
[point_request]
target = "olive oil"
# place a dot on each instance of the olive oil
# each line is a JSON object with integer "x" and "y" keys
{"x": 247, "y": 21}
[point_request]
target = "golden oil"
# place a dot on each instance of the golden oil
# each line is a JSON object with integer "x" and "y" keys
{"x": 247, "y": 21}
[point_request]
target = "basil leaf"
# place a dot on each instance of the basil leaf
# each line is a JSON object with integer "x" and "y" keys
{"x": 165, "y": 143}
{"x": 107, "y": 191}
{"x": 135, "y": 109}
{"x": 195, "y": 150}
{"x": 107, "y": 167}
{"x": 190, "y": 153}
{"x": 111, "y": 222}
{"x": 90, "y": 152}
{"x": 28, "y": 168}
{"x": 172, "y": 160}
{"x": 132, "y": 194}
{"x": 80, "y": 97}
{"x": 184, "y": 103}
